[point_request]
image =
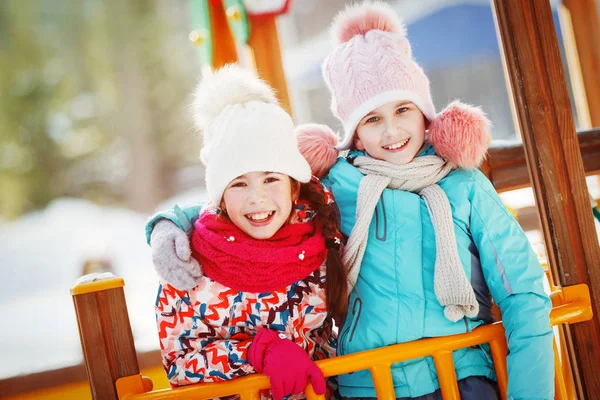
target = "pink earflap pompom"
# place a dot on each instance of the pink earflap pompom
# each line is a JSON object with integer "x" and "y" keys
{"x": 359, "y": 19}
{"x": 317, "y": 145}
{"x": 460, "y": 134}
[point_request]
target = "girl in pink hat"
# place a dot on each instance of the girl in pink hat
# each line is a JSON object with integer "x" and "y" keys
{"x": 430, "y": 245}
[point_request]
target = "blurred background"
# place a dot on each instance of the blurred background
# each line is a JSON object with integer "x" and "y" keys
{"x": 96, "y": 135}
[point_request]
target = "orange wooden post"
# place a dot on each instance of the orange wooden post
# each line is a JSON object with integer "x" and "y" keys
{"x": 555, "y": 166}
{"x": 105, "y": 333}
{"x": 224, "y": 50}
{"x": 444, "y": 366}
{"x": 383, "y": 381}
{"x": 561, "y": 389}
{"x": 499, "y": 349}
{"x": 264, "y": 43}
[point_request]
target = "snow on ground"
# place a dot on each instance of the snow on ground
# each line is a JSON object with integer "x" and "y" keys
{"x": 41, "y": 256}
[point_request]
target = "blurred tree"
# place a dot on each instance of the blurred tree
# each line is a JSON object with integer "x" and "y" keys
{"x": 92, "y": 102}
{"x": 29, "y": 159}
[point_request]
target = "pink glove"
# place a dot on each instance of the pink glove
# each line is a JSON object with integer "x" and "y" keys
{"x": 286, "y": 364}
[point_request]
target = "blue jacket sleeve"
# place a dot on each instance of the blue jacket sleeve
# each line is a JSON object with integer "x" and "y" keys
{"x": 183, "y": 218}
{"x": 515, "y": 279}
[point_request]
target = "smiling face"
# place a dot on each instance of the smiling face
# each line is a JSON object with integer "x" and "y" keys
{"x": 393, "y": 132}
{"x": 259, "y": 203}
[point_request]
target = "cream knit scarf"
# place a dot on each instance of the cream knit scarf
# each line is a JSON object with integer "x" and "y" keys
{"x": 452, "y": 288}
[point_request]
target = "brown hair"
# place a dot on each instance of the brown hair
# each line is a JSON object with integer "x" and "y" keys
{"x": 336, "y": 282}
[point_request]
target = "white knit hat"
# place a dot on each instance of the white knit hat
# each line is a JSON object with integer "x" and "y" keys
{"x": 245, "y": 130}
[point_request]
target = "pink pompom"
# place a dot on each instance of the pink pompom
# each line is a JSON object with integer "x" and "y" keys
{"x": 317, "y": 145}
{"x": 461, "y": 134}
{"x": 361, "y": 18}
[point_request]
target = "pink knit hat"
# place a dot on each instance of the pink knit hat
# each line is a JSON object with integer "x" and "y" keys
{"x": 371, "y": 66}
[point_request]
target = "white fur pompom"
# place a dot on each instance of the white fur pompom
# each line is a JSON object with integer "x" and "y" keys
{"x": 228, "y": 85}
{"x": 358, "y": 19}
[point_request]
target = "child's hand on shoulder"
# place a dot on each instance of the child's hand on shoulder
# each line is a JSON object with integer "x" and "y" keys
{"x": 172, "y": 256}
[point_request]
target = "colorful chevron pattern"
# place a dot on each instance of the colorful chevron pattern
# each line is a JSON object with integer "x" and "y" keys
{"x": 205, "y": 332}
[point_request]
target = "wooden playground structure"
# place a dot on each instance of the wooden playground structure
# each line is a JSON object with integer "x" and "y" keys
{"x": 554, "y": 159}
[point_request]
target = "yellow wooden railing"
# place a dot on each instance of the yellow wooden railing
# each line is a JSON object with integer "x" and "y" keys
{"x": 570, "y": 305}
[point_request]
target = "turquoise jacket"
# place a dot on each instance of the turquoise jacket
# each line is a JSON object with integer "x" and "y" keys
{"x": 394, "y": 299}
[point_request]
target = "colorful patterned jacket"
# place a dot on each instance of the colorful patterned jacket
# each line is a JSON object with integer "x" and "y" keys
{"x": 205, "y": 332}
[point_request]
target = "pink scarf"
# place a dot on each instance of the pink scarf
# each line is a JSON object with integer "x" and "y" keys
{"x": 234, "y": 259}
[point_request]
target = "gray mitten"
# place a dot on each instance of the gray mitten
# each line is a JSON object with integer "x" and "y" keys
{"x": 172, "y": 256}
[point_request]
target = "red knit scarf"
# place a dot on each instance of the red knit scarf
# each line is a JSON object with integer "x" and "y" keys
{"x": 231, "y": 257}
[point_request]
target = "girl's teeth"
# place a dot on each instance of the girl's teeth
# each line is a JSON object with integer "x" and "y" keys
{"x": 260, "y": 216}
{"x": 396, "y": 145}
